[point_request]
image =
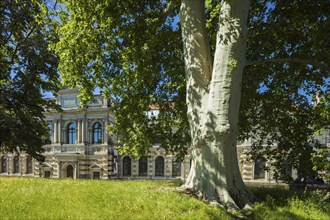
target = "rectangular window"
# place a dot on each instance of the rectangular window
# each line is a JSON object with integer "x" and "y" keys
{"x": 143, "y": 166}
{"x": 176, "y": 169}
{"x": 29, "y": 165}
{"x": 16, "y": 164}
{"x": 96, "y": 175}
{"x": 47, "y": 174}
{"x": 259, "y": 169}
{"x": 72, "y": 138}
{"x": 3, "y": 164}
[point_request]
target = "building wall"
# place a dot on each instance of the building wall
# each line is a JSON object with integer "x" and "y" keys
{"x": 104, "y": 165}
{"x": 85, "y": 159}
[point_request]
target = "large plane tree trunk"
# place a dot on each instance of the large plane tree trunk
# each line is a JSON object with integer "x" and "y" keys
{"x": 213, "y": 99}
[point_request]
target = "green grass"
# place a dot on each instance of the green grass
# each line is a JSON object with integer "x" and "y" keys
{"x": 87, "y": 199}
{"x": 23, "y": 198}
{"x": 279, "y": 203}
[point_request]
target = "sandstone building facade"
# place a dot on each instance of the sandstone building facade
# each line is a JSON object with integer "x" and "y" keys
{"x": 80, "y": 147}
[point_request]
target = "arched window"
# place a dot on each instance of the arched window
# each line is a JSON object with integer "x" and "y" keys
{"x": 159, "y": 166}
{"x": 176, "y": 167}
{"x": 16, "y": 164}
{"x": 126, "y": 166}
{"x": 259, "y": 169}
{"x": 50, "y": 128}
{"x": 143, "y": 166}
{"x": 3, "y": 164}
{"x": 29, "y": 164}
{"x": 71, "y": 133}
{"x": 97, "y": 133}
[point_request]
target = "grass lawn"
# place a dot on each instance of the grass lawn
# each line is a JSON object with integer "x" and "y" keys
{"x": 24, "y": 198}
{"x": 279, "y": 203}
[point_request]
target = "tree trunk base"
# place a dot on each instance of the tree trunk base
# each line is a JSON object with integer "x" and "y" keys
{"x": 231, "y": 201}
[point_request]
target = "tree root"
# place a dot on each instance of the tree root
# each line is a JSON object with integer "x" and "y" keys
{"x": 232, "y": 202}
{"x": 189, "y": 191}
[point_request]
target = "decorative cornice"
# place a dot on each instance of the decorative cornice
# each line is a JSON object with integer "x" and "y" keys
{"x": 79, "y": 111}
{"x": 68, "y": 90}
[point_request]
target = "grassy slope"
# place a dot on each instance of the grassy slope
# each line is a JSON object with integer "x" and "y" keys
{"x": 284, "y": 204}
{"x": 87, "y": 199}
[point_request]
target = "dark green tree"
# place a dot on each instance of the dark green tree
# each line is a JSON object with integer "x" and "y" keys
{"x": 28, "y": 68}
{"x": 289, "y": 65}
{"x": 133, "y": 51}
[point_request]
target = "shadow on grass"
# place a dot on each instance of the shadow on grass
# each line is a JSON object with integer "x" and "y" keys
{"x": 280, "y": 203}
{"x": 264, "y": 213}
{"x": 281, "y": 196}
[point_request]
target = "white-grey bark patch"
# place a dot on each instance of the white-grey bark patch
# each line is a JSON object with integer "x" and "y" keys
{"x": 213, "y": 99}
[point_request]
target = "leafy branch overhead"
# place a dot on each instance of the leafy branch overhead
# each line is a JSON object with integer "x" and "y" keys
{"x": 28, "y": 68}
{"x": 118, "y": 49}
{"x": 191, "y": 62}
{"x": 133, "y": 51}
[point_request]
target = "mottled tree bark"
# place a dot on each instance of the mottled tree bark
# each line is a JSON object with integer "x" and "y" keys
{"x": 213, "y": 98}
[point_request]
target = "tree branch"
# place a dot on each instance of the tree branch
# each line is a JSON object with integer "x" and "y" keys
{"x": 21, "y": 42}
{"x": 167, "y": 10}
{"x": 290, "y": 60}
{"x": 54, "y": 8}
{"x": 196, "y": 42}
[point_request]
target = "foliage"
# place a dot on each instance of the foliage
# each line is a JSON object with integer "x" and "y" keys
{"x": 321, "y": 158}
{"x": 321, "y": 162}
{"x": 28, "y": 68}
{"x": 88, "y": 199}
{"x": 133, "y": 51}
{"x": 277, "y": 96}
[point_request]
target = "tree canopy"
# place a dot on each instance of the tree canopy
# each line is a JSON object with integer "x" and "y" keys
{"x": 28, "y": 68}
{"x": 133, "y": 51}
{"x": 289, "y": 60}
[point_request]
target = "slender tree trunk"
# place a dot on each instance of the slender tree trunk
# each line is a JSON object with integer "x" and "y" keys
{"x": 213, "y": 99}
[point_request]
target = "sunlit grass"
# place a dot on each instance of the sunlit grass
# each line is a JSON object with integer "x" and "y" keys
{"x": 87, "y": 199}
{"x": 23, "y": 198}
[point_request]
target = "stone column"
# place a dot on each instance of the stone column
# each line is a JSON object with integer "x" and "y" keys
{"x": 63, "y": 135}
{"x": 105, "y": 102}
{"x": 90, "y": 135}
{"x": 89, "y": 132}
{"x": 78, "y": 131}
{"x": 105, "y": 130}
{"x": 54, "y": 132}
{"x": 83, "y": 131}
{"x": 59, "y": 132}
